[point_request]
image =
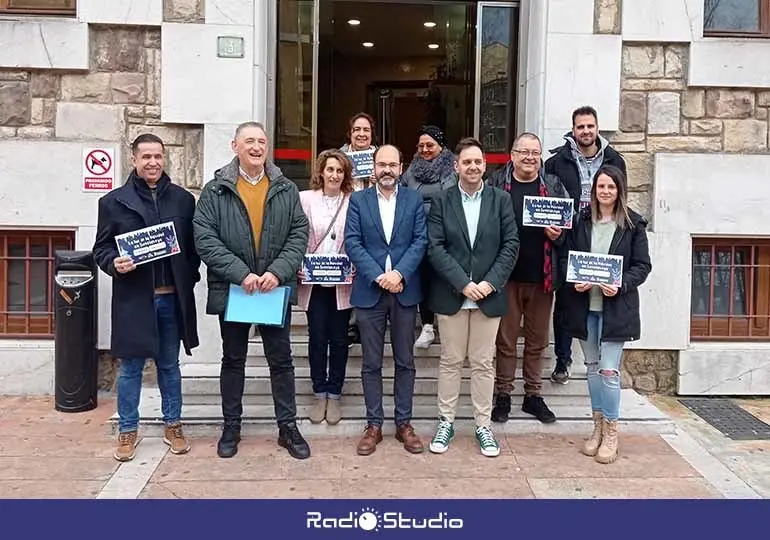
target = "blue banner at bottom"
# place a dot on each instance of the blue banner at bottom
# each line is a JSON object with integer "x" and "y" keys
{"x": 340, "y": 519}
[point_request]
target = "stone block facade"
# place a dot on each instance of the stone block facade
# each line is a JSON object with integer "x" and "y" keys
{"x": 661, "y": 112}
{"x": 114, "y": 101}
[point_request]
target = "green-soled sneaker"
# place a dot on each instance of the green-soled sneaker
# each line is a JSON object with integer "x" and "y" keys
{"x": 487, "y": 442}
{"x": 444, "y": 433}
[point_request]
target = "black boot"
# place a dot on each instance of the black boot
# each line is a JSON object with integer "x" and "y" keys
{"x": 502, "y": 408}
{"x": 290, "y": 438}
{"x": 228, "y": 443}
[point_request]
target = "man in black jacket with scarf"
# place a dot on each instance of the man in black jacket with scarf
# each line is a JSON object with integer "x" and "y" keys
{"x": 584, "y": 152}
{"x": 153, "y": 304}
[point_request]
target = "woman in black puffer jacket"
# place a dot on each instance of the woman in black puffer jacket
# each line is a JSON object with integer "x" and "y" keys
{"x": 604, "y": 317}
{"x": 432, "y": 170}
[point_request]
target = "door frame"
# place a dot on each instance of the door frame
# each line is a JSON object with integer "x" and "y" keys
{"x": 530, "y": 94}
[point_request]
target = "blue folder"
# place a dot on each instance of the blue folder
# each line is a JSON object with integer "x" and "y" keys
{"x": 258, "y": 308}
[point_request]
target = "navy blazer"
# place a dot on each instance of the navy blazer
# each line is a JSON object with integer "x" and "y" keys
{"x": 366, "y": 246}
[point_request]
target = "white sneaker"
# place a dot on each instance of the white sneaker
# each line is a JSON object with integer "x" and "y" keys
{"x": 427, "y": 336}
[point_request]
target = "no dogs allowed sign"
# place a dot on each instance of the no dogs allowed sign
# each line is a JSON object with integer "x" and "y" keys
{"x": 98, "y": 169}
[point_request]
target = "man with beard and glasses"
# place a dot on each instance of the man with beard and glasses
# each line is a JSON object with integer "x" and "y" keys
{"x": 584, "y": 152}
{"x": 385, "y": 239}
{"x": 531, "y": 284}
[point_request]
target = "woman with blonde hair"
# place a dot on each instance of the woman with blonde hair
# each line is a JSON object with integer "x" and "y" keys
{"x": 604, "y": 317}
{"x": 328, "y": 306}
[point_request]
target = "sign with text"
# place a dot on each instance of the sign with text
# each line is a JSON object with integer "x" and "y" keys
{"x": 547, "y": 211}
{"x": 98, "y": 169}
{"x": 363, "y": 163}
{"x": 596, "y": 268}
{"x": 327, "y": 269}
{"x": 149, "y": 244}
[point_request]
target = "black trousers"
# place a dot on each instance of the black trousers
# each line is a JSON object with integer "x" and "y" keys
{"x": 277, "y": 344}
{"x": 328, "y": 329}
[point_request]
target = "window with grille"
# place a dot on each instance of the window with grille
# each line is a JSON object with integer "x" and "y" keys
{"x": 38, "y": 7}
{"x": 26, "y": 272}
{"x": 730, "y": 289}
{"x": 742, "y": 18}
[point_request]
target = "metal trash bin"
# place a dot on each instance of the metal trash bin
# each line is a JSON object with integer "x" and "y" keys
{"x": 75, "y": 316}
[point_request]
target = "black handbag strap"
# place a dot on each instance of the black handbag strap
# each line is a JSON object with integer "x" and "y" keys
{"x": 328, "y": 230}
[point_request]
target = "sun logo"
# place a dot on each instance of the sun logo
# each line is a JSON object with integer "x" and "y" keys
{"x": 369, "y": 520}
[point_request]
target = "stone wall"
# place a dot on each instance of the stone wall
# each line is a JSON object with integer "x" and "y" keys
{"x": 118, "y": 98}
{"x": 659, "y": 112}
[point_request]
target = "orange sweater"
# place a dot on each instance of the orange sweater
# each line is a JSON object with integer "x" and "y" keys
{"x": 254, "y": 198}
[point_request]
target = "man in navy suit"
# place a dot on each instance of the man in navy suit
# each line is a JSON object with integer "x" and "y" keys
{"x": 386, "y": 238}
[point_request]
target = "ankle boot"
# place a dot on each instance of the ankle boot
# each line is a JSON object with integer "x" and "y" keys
{"x": 502, "y": 408}
{"x": 608, "y": 451}
{"x": 591, "y": 446}
{"x": 290, "y": 438}
{"x": 227, "y": 446}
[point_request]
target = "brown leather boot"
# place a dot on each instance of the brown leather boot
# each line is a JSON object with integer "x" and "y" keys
{"x": 591, "y": 446}
{"x": 369, "y": 440}
{"x": 412, "y": 443}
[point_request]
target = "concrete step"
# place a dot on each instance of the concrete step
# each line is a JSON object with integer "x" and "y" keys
{"x": 206, "y": 391}
{"x": 200, "y": 383}
{"x": 573, "y": 415}
{"x": 421, "y": 363}
{"x": 256, "y": 353}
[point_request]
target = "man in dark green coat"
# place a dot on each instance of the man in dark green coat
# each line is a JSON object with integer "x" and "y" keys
{"x": 473, "y": 247}
{"x": 250, "y": 230}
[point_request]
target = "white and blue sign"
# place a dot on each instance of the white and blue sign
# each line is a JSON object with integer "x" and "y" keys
{"x": 595, "y": 268}
{"x": 547, "y": 212}
{"x": 149, "y": 244}
{"x": 327, "y": 269}
{"x": 363, "y": 163}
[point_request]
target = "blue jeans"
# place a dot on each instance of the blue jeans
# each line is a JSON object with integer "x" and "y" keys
{"x": 602, "y": 360}
{"x": 166, "y": 364}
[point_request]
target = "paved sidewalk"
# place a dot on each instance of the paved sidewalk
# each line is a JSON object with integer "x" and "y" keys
{"x": 44, "y": 453}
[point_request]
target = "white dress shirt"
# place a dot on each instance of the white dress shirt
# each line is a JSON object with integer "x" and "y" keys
{"x": 472, "y": 211}
{"x": 388, "y": 217}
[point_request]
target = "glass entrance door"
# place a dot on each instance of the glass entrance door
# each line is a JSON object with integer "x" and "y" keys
{"x": 406, "y": 63}
{"x": 497, "y": 55}
{"x": 294, "y": 125}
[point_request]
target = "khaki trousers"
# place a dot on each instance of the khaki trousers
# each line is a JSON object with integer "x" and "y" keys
{"x": 468, "y": 333}
{"x": 527, "y": 300}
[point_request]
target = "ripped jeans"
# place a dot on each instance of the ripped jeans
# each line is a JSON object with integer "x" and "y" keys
{"x": 602, "y": 360}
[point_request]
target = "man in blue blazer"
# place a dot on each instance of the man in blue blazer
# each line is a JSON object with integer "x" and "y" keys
{"x": 386, "y": 238}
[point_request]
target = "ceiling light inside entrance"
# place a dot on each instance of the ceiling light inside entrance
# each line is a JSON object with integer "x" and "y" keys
{"x": 433, "y": 45}
{"x": 368, "y": 44}
{"x": 429, "y": 24}
{"x": 354, "y": 22}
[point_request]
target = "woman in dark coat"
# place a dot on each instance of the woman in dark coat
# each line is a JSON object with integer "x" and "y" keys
{"x": 432, "y": 170}
{"x": 604, "y": 317}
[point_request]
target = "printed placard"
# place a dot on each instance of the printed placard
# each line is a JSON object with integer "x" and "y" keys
{"x": 547, "y": 211}
{"x": 583, "y": 267}
{"x": 327, "y": 269}
{"x": 363, "y": 163}
{"x": 149, "y": 244}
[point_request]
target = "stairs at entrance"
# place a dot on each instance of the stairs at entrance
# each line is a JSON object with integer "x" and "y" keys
{"x": 202, "y": 405}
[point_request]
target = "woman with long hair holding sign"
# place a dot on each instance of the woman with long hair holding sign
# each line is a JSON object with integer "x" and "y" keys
{"x": 604, "y": 316}
{"x": 327, "y": 305}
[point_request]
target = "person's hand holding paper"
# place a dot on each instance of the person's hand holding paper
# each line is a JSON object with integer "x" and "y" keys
{"x": 251, "y": 283}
